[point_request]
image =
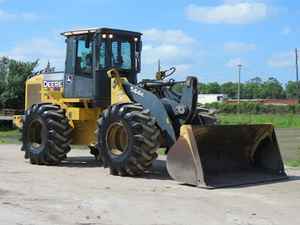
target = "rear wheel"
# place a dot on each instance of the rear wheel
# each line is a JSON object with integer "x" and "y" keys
{"x": 128, "y": 138}
{"x": 46, "y": 134}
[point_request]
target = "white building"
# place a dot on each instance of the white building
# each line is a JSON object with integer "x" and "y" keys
{"x": 210, "y": 98}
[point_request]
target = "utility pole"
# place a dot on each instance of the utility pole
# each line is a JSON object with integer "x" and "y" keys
{"x": 297, "y": 74}
{"x": 239, "y": 82}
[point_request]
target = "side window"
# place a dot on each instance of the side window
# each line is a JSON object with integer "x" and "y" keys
{"x": 84, "y": 57}
{"x": 121, "y": 55}
{"x": 126, "y": 53}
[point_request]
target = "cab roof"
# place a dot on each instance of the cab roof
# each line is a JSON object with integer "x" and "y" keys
{"x": 100, "y": 30}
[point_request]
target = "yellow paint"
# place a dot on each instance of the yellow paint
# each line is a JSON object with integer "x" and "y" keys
{"x": 18, "y": 121}
{"x": 84, "y": 132}
{"x": 74, "y": 113}
{"x": 82, "y": 119}
{"x": 76, "y": 100}
{"x": 118, "y": 94}
{"x": 34, "y": 80}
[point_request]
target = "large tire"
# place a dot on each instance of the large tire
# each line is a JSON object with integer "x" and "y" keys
{"x": 128, "y": 139}
{"x": 46, "y": 134}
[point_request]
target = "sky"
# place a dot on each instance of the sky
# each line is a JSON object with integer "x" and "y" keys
{"x": 206, "y": 38}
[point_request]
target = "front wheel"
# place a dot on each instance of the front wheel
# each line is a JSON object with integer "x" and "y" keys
{"x": 46, "y": 134}
{"x": 128, "y": 139}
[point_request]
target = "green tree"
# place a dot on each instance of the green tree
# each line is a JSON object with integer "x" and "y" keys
{"x": 13, "y": 94}
{"x": 202, "y": 88}
{"x": 272, "y": 88}
{"x": 252, "y": 88}
{"x": 230, "y": 89}
{"x": 292, "y": 89}
{"x": 3, "y": 73}
{"x": 210, "y": 88}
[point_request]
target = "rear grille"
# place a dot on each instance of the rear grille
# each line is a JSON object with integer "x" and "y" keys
{"x": 33, "y": 94}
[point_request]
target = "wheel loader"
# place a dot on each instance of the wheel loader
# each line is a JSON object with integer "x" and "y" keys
{"x": 97, "y": 101}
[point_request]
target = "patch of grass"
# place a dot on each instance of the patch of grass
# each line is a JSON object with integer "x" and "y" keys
{"x": 293, "y": 163}
{"x": 161, "y": 151}
{"x": 10, "y": 137}
{"x": 279, "y": 121}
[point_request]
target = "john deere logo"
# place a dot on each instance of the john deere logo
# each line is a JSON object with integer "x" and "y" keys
{"x": 53, "y": 84}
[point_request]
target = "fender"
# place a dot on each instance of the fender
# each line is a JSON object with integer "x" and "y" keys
{"x": 157, "y": 110}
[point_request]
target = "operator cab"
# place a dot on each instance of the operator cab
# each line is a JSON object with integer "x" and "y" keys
{"x": 91, "y": 53}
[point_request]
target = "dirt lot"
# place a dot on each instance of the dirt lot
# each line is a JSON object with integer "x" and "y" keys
{"x": 79, "y": 192}
{"x": 289, "y": 142}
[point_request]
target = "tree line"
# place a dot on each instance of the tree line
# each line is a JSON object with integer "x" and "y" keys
{"x": 13, "y": 75}
{"x": 255, "y": 88}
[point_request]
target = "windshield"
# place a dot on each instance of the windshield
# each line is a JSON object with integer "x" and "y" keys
{"x": 121, "y": 55}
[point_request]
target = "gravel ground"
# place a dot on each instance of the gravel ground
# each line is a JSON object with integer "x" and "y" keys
{"x": 79, "y": 192}
{"x": 289, "y": 142}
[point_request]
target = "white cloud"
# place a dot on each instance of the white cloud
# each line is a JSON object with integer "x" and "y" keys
{"x": 235, "y": 62}
{"x": 181, "y": 55}
{"x": 7, "y": 16}
{"x": 173, "y": 48}
{"x": 42, "y": 49}
{"x": 166, "y": 53}
{"x": 230, "y": 12}
{"x": 170, "y": 46}
{"x": 282, "y": 60}
{"x": 184, "y": 70}
{"x": 239, "y": 47}
{"x": 167, "y": 36}
{"x": 286, "y": 30}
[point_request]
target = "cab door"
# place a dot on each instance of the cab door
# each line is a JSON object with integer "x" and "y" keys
{"x": 79, "y": 68}
{"x": 102, "y": 83}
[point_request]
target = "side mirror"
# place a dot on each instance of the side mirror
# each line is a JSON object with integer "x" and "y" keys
{"x": 137, "y": 61}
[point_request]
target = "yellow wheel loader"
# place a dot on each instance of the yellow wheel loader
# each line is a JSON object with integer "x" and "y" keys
{"x": 98, "y": 102}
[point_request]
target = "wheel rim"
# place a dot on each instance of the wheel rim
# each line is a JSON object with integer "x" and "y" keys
{"x": 117, "y": 138}
{"x": 35, "y": 137}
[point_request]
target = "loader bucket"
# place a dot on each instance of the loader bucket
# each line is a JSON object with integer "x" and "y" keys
{"x": 220, "y": 156}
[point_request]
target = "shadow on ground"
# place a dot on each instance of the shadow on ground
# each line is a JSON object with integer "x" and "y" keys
{"x": 80, "y": 161}
{"x": 157, "y": 171}
{"x": 288, "y": 179}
